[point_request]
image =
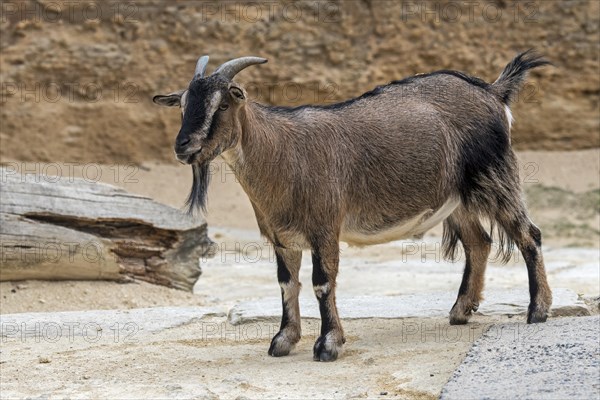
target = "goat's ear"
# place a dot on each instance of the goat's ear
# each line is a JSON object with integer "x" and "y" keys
{"x": 237, "y": 93}
{"x": 169, "y": 100}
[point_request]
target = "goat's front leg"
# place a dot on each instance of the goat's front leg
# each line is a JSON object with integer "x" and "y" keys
{"x": 325, "y": 267}
{"x": 288, "y": 267}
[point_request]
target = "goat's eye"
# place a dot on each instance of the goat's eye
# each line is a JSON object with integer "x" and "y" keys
{"x": 223, "y": 107}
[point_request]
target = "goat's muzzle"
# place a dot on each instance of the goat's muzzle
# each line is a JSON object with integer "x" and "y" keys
{"x": 188, "y": 157}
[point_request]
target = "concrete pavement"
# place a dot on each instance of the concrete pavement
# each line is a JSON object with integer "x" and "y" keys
{"x": 556, "y": 360}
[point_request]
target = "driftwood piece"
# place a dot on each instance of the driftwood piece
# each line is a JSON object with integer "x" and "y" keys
{"x": 53, "y": 228}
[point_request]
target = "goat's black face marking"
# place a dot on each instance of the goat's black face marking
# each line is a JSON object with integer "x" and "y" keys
{"x": 195, "y": 141}
{"x": 202, "y": 103}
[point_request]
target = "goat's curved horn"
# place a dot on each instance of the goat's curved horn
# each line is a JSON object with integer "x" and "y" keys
{"x": 231, "y": 68}
{"x": 201, "y": 67}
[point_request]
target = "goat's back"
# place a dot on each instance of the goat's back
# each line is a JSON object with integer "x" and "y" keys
{"x": 415, "y": 143}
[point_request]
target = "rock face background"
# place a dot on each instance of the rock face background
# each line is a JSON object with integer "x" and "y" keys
{"x": 78, "y": 78}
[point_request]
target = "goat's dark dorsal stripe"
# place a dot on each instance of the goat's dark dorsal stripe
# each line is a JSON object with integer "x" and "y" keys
{"x": 379, "y": 89}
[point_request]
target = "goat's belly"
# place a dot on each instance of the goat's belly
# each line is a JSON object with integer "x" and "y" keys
{"x": 411, "y": 227}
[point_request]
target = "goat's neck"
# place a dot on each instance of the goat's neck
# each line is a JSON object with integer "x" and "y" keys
{"x": 254, "y": 158}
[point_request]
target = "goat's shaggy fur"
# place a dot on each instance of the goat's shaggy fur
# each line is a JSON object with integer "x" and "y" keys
{"x": 387, "y": 165}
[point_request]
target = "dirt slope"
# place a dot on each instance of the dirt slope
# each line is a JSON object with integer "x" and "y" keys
{"x": 77, "y": 77}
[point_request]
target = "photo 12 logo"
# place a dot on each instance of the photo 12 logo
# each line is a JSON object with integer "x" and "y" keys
{"x": 58, "y": 12}
{"x": 54, "y": 172}
{"x": 55, "y": 331}
{"x": 68, "y": 92}
{"x": 53, "y": 252}
{"x": 255, "y": 11}
{"x": 470, "y": 11}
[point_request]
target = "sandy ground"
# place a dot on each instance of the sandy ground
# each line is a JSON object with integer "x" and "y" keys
{"x": 562, "y": 192}
{"x": 382, "y": 360}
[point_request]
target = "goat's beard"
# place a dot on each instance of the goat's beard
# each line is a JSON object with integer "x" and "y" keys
{"x": 197, "y": 198}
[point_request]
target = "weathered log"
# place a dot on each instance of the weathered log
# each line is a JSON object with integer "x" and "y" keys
{"x": 55, "y": 229}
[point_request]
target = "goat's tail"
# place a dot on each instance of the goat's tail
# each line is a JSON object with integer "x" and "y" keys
{"x": 511, "y": 79}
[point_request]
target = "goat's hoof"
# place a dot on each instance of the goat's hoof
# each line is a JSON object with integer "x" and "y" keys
{"x": 281, "y": 345}
{"x": 458, "y": 316}
{"x": 458, "y": 319}
{"x": 327, "y": 348}
{"x": 461, "y": 311}
{"x": 535, "y": 315}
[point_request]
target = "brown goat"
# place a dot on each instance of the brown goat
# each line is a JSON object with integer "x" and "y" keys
{"x": 387, "y": 165}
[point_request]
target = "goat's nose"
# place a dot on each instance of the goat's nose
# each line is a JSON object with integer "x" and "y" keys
{"x": 182, "y": 142}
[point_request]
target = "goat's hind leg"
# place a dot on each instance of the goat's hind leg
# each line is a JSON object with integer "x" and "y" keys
{"x": 476, "y": 244}
{"x": 288, "y": 267}
{"x": 528, "y": 237}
